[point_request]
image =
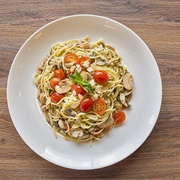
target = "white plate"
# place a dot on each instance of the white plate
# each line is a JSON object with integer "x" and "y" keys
{"x": 121, "y": 141}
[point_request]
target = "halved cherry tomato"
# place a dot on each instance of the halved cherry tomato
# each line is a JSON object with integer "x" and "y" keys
{"x": 119, "y": 117}
{"x": 54, "y": 81}
{"x": 82, "y": 59}
{"x": 55, "y": 97}
{"x": 59, "y": 73}
{"x": 78, "y": 89}
{"x": 99, "y": 106}
{"x": 69, "y": 58}
{"x": 86, "y": 104}
{"x": 101, "y": 77}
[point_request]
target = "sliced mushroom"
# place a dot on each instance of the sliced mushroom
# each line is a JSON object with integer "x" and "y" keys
{"x": 73, "y": 113}
{"x": 128, "y": 81}
{"x": 107, "y": 123}
{"x": 61, "y": 124}
{"x": 127, "y": 92}
{"x": 123, "y": 100}
{"x": 68, "y": 112}
{"x": 75, "y": 105}
{"x": 76, "y": 132}
{"x": 85, "y": 75}
{"x": 75, "y": 125}
{"x": 100, "y": 62}
{"x": 64, "y": 86}
{"x": 128, "y": 97}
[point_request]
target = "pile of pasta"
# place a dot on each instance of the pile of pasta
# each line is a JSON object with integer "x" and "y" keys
{"x": 82, "y": 88}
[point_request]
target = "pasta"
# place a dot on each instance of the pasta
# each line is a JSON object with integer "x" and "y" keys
{"x": 82, "y": 88}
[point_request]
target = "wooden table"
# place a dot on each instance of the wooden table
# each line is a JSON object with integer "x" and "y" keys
{"x": 157, "y": 22}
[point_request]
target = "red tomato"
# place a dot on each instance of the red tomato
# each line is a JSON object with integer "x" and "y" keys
{"x": 119, "y": 117}
{"x": 53, "y": 82}
{"x": 101, "y": 77}
{"x": 69, "y": 58}
{"x": 55, "y": 97}
{"x": 86, "y": 104}
{"x": 59, "y": 73}
{"x": 99, "y": 106}
{"x": 78, "y": 89}
{"x": 82, "y": 59}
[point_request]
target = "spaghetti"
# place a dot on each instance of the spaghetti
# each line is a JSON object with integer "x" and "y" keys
{"x": 82, "y": 88}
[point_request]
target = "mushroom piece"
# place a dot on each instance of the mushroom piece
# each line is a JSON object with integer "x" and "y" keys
{"x": 75, "y": 104}
{"x": 76, "y": 132}
{"x": 127, "y": 92}
{"x": 128, "y": 81}
{"x": 128, "y": 97}
{"x": 61, "y": 124}
{"x": 85, "y": 75}
{"x": 107, "y": 123}
{"x": 68, "y": 112}
{"x": 73, "y": 113}
{"x": 64, "y": 86}
{"x": 75, "y": 125}
{"x": 123, "y": 100}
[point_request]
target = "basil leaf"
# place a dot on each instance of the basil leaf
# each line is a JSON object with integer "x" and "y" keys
{"x": 87, "y": 87}
{"x": 77, "y": 78}
{"x": 72, "y": 78}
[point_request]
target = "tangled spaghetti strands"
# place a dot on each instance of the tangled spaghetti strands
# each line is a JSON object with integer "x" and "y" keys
{"x": 65, "y": 117}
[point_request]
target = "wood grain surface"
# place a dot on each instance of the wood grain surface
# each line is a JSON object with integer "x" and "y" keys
{"x": 157, "y": 22}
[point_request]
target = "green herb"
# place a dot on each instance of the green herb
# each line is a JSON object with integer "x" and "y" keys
{"x": 77, "y": 78}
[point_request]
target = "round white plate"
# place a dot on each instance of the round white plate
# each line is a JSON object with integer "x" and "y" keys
{"x": 121, "y": 141}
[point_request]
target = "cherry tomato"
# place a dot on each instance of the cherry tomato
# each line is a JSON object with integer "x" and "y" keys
{"x": 69, "y": 58}
{"x": 82, "y": 59}
{"x": 99, "y": 106}
{"x": 55, "y": 97}
{"x": 86, "y": 104}
{"x": 78, "y": 89}
{"x": 119, "y": 117}
{"x": 59, "y": 73}
{"x": 101, "y": 77}
{"x": 53, "y": 82}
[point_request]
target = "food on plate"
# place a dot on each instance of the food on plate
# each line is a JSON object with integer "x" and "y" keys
{"x": 82, "y": 88}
